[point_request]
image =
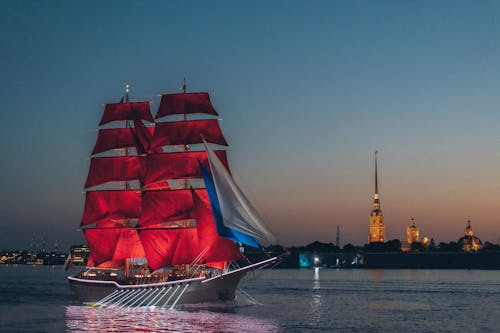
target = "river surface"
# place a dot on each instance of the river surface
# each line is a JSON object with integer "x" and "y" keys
{"x": 38, "y": 299}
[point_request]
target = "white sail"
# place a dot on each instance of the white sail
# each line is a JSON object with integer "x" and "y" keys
{"x": 237, "y": 211}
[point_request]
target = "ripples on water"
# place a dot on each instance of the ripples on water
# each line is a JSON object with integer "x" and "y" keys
{"x": 88, "y": 319}
{"x": 38, "y": 299}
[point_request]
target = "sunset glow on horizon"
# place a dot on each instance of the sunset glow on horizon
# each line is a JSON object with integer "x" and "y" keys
{"x": 306, "y": 94}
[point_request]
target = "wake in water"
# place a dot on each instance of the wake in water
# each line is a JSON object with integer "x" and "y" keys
{"x": 192, "y": 318}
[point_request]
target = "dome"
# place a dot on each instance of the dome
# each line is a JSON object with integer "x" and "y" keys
{"x": 469, "y": 242}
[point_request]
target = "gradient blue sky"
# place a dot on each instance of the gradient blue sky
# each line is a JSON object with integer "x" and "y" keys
{"x": 307, "y": 90}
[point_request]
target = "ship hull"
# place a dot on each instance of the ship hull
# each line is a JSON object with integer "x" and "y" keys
{"x": 167, "y": 294}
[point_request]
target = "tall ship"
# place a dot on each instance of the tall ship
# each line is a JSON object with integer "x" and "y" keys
{"x": 164, "y": 220}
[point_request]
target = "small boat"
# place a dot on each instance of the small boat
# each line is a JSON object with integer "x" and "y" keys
{"x": 163, "y": 218}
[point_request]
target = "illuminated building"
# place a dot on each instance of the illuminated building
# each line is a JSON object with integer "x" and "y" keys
{"x": 412, "y": 236}
{"x": 412, "y": 233}
{"x": 79, "y": 254}
{"x": 469, "y": 242}
{"x": 377, "y": 227}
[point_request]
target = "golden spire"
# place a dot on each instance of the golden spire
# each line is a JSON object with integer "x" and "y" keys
{"x": 468, "y": 229}
{"x": 376, "y": 175}
{"x": 376, "y": 200}
{"x": 377, "y": 227}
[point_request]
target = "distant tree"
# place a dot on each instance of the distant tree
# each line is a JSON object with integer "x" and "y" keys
{"x": 349, "y": 248}
{"x": 275, "y": 248}
{"x": 389, "y": 246}
{"x": 443, "y": 246}
{"x": 417, "y": 247}
{"x": 490, "y": 247}
{"x": 454, "y": 247}
{"x": 296, "y": 249}
{"x": 374, "y": 247}
{"x": 449, "y": 247}
{"x": 321, "y": 247}
{"x": 393, "y": 245}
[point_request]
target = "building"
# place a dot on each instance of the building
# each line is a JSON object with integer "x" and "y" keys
{"x": 412, "y": 236}
{"x": 377, "y": 227}
{"x": 412, "y": 233}
{"x": 79, "y": 254}
{"x": 469, "y": 242}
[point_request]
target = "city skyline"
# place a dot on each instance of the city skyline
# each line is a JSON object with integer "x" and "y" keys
{"x": 306, "y": 94}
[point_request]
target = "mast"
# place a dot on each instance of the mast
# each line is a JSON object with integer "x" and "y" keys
{"x": 126, "y": 92}
{"x": 127, "y": 125}
{"x": 112, "y": 204}
{"x": 184, "y": 87}
{"x": 184, "y": 117}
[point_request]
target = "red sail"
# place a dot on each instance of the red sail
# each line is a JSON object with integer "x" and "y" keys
{"x": 111, "y": 205}
{"x": 128, "y": 246}
{"x": 112, "y": 169}
{"x": 166, "y": 206}
{"x": 168, "y": 247}
{"x": 90, "y": 261}
{"x": 217, "y": 264}
{"x": 126, "y": 111}
{"x": 110, "y": 245}
{"x": 163, "y": 185}
{"x": 187, "y": 132}
{"x": 219, "y": 249}
{"x": 178, "y": 165}
{"x": 114, "y": 138}
{"x": 144, "y": 136}
{"x": 102, "y": 242}
{"x": 185, "y": 103}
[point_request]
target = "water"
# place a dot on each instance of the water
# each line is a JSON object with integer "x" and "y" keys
{"x": 38, "y": 299}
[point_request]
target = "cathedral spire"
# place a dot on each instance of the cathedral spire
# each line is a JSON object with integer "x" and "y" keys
{"x": 337, "y": 238}
{"x": 376, "y": 174}
{"x": 376, "y": 200}
{"x": 377, "y": 226}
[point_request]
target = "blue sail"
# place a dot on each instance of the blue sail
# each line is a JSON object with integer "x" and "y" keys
{"x": 222, "y": 230}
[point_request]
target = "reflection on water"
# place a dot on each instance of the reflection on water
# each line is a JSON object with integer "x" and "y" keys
{"x": 294, "y": 301}
{"x": 90, "y": 319}
{"x": 377, "y": 274}
{"x": 315, "y": 311}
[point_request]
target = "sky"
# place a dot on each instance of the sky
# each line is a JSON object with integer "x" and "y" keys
{"x": 306, "y": 90}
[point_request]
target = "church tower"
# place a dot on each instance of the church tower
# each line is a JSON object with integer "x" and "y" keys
{"x": 469, "y": 242}
{"x": 377, "y": 227}
{"x": 412, "y": 233}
